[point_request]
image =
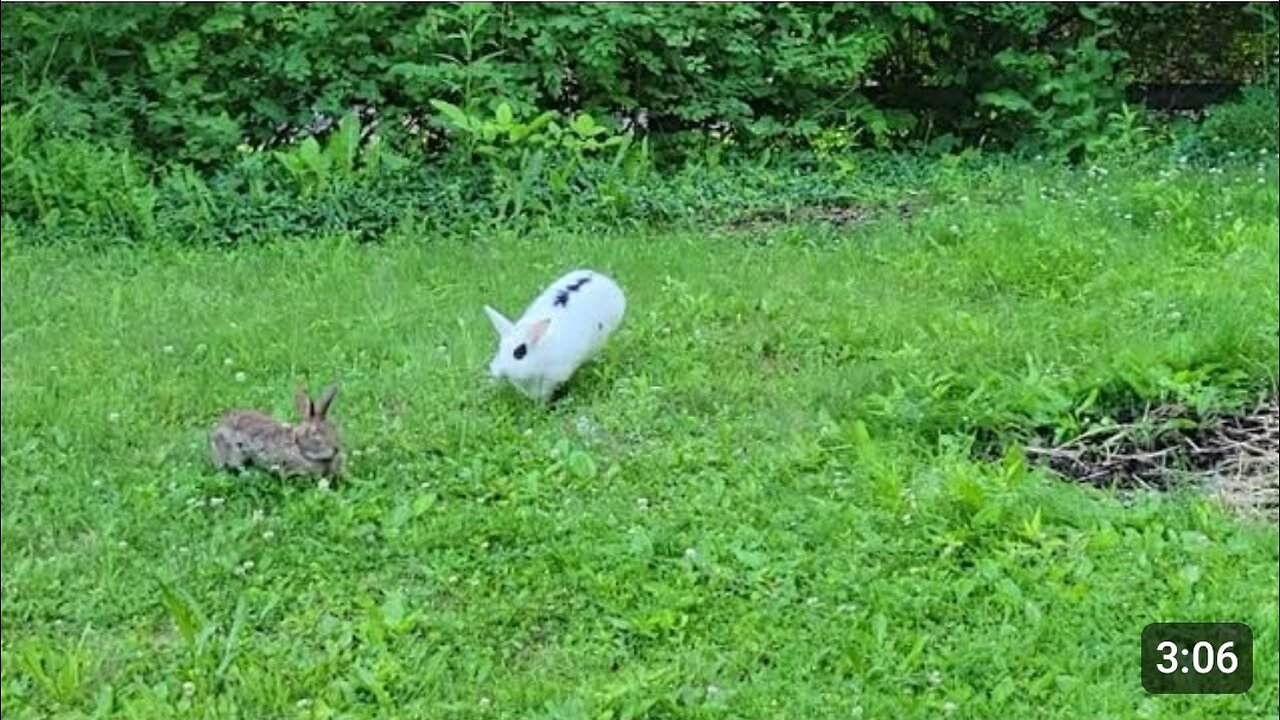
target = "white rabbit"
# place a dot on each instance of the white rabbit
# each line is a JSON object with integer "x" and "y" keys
{"x": 562, "y": 328}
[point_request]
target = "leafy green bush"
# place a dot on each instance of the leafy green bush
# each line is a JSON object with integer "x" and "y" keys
{"x": 190, "y": 83}
{"x": 1245, "y": 125}
{"x": 68, "y": 184}
{"x": 341, "y": 162}
{"x": 540, "y": 162}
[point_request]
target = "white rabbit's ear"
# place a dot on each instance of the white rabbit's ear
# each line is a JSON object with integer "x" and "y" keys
{"x": 537, "y": 330}
{"x": 500, "y": 323}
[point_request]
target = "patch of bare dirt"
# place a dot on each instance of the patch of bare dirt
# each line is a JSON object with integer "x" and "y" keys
{"x": 833, "y": 214}
{"x": 1236, "y": 456}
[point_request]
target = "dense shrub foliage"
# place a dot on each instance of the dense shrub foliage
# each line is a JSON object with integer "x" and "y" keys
{"x": 241, "y": 121}
{"x": 192, "y": 81}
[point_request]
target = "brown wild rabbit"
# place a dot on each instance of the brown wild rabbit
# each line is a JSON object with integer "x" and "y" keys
{"x": 247, "y": 437}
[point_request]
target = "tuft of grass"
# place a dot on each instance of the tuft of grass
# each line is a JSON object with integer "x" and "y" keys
{"x": 760, "y": 501}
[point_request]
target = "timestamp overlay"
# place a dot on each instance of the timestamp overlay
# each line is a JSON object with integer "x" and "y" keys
{"x": 1197, "y": 658}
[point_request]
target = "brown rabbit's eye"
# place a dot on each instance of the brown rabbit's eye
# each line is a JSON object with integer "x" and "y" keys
{"x": 521, "y": 351}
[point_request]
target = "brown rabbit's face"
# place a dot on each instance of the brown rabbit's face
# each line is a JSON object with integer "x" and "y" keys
{"x": 317, "y": 441}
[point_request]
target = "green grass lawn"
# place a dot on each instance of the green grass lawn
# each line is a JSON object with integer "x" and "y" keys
{"x": 761, "y": 501}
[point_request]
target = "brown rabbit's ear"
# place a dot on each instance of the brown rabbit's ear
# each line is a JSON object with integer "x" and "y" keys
{"x": 302, "y": 403}
{"x": 322, "y": 406}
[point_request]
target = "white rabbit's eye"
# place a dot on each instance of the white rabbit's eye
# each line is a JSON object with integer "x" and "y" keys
{"x": 521, "y": 351}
